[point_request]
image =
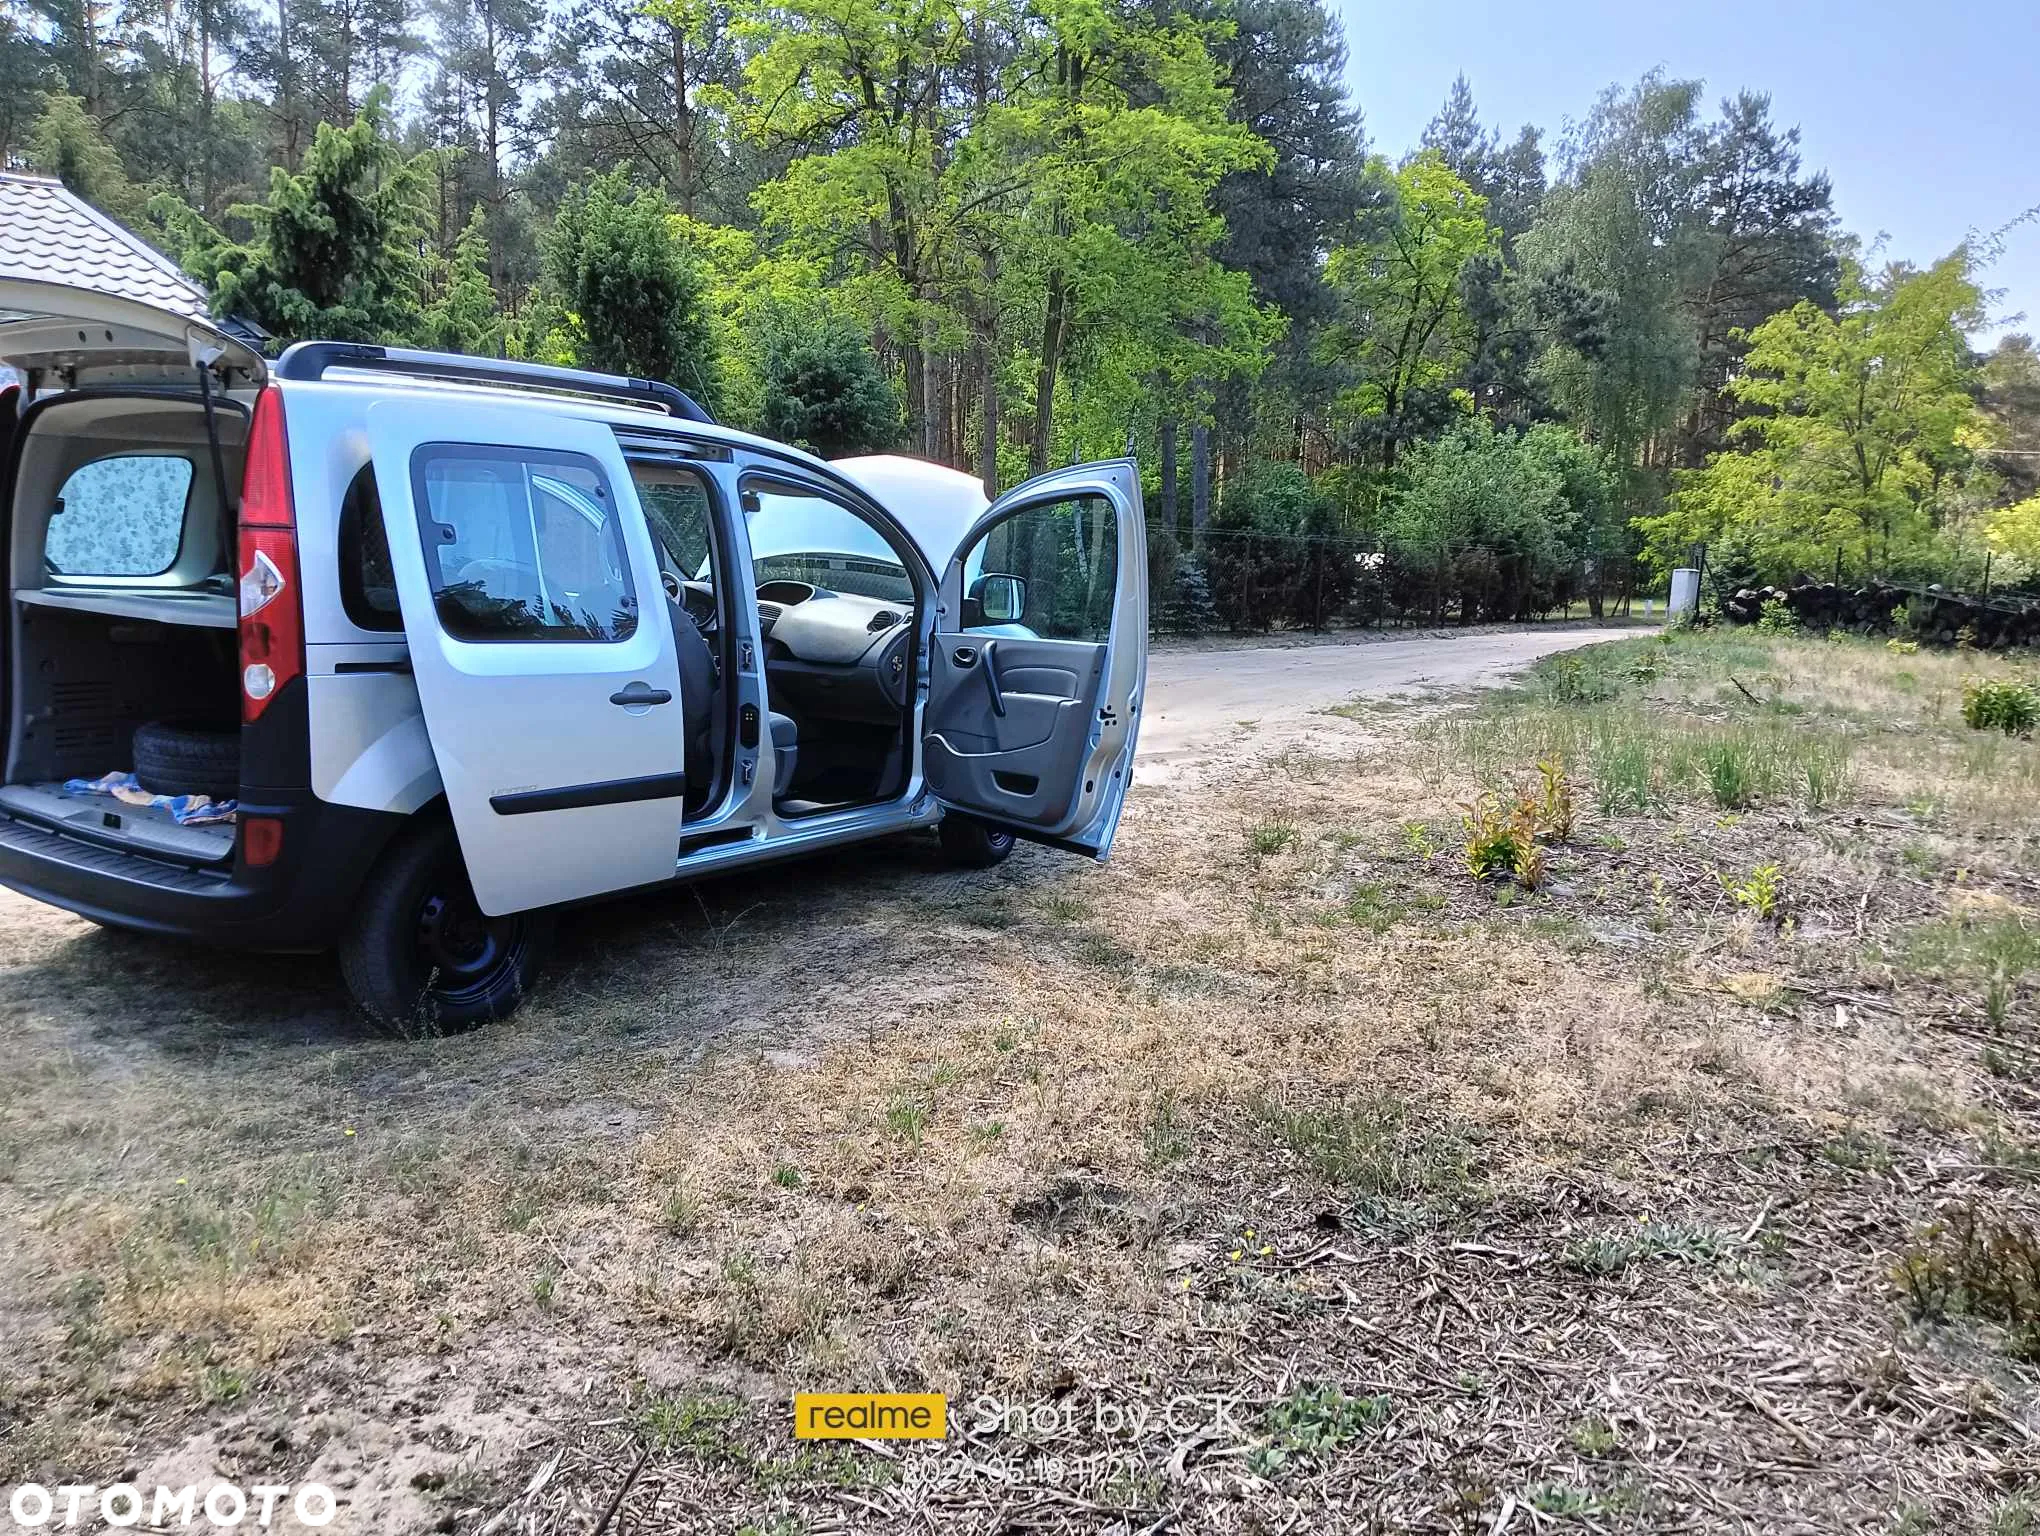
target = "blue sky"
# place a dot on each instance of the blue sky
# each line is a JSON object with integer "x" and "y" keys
{"x": 1926, "y": 116}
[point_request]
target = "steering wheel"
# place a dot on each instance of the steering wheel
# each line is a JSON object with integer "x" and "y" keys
{"x": 671, "y": 583}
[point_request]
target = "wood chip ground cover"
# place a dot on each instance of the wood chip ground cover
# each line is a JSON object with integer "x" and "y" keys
{"x": 1276, "y": 1176}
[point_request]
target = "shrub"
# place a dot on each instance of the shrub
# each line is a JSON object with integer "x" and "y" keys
{"x": 1571, "y": 680}
{"x": 825, "y": 390}
{"x": 2013, "y": 708}
{"x": 1271, "y": 554}
{"x": 1777, "y": 618}
{"x": 1499, "y": 839}
{"x": 1762, "y": 893}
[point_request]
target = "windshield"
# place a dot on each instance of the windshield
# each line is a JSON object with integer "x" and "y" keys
{"x": 797, "y": 537}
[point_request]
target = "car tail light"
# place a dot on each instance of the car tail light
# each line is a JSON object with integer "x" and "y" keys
{"x": 261, "y": 840}
{"x": 272, "y": 613}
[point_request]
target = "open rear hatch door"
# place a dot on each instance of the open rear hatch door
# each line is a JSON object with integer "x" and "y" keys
{"x": 84, "y": 301}
{"x": 57, "y": 334}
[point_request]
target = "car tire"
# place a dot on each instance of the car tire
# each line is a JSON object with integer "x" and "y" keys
{"x": 420, "y": 957}
{"x": 187, "y": 760}
{"x": 970, "y": 844}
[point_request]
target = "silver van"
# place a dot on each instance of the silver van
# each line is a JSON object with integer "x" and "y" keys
{"x": 393, "y": 652}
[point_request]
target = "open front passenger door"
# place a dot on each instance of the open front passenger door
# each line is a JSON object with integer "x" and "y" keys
{"x": 1041, "y": 659}
{"x": 539, "y": 640}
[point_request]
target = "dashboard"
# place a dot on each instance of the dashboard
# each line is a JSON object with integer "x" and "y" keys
{"x": 832, "y": 655}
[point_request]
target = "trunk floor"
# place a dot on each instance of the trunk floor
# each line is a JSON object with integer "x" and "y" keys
{"x": 146, "y": 828}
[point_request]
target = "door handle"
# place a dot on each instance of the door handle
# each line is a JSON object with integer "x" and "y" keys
{"x": 638, "y": 695}
{"x": 991, "y": 661}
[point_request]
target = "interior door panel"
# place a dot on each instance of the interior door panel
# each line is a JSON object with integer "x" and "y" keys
{"x": 1025, "y": 763}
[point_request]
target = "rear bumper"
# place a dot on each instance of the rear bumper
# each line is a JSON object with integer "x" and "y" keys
{"x": 300, "y": 902}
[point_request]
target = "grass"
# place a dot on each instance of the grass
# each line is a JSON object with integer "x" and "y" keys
{"x": 1269, "y": 837}
{"x": 1738, "y": 723}
{"x": 1366, "y": 1145}
{"x": 1276, "y": 1112}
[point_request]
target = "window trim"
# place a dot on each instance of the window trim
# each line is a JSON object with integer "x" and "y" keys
{"x": 425, "y": 454}
{"x": 123, "y": 578}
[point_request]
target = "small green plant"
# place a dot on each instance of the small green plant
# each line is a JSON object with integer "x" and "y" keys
{"x": 1366, "y": 1145}
{"x": 2013, "y": 708}
{"x": 1731, "y": 772}
{"x": 544, "y": 1287}
{"x": 1167, "y": 1134}
{"x": 786, "y": 1176}
{"x": 1314, "y": 1422}
{"x": 1973, "y": 1261}
{"x": 1593, "y": 1436}
{"x": 1571, "y": 680}
{"x": 1826, "y": 770}
{"x": 1610, "y": 1253}
{"x": 1899, "y": 647}
{"x": 687, "y": 1422}
{"x": 2015, "y": 1515}
{"x": 1557, "y": 812}
{"x": 681, "y": 1213}
{"x": 1777, "y": 618}
{"x": 907, "y": 1118}
{"x": 1501, "y": 840}
{"x": 219, "y": 1386}
{"x": 1561, "y": 1499}
{"x": 1271, "y": 837}
{"x": 1762, "y": 892}
{"x": 1417, "y": 838}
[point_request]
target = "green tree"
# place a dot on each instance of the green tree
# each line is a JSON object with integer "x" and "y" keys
{"x": 1484, "y": 515}
{"x": 651, "y": 86}
{"x": 1510, "y": 176}
{"x": 636, "y": 295}
{"x": 1403, "y": 328}
{"x": 335, "y": 250}
{"x": 825, "y": 390}
{"x": 1863, "y": 424}
{"x": 67, "y": 144}
{"x": 462, "y": 314}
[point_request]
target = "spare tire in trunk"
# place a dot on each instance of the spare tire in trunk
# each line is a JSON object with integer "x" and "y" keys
{"x": 188, "y": 760}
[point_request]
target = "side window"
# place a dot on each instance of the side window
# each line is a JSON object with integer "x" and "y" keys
{"x": 676, "y": 505}
{"x": 368, "y": 587}
{"x": 1050, "y": 569}
{"x": 119, "y": 517}
{"x": 522, "y": 545}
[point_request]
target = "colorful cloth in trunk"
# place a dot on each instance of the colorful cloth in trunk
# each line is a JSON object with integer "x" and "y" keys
{"x": 185, "y": 810}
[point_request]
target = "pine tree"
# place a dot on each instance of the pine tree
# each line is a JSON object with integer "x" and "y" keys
{"x": 335, "y": 253}
{"x": 637, "y": 295}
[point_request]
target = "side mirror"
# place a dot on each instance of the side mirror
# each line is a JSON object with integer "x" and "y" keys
{"x": 999, "y": 599}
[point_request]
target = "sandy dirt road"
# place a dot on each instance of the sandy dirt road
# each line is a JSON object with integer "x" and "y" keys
{"x": 1200, "y": 699}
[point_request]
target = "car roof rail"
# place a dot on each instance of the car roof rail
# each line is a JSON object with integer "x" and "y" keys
{"x": 309, "y": 360}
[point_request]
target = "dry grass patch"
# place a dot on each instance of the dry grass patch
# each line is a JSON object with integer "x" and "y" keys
{"x": 1424, "y": 1202}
